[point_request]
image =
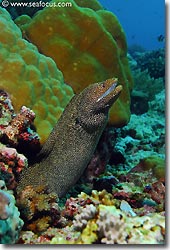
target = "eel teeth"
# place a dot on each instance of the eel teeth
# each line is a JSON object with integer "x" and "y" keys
{"x": 108, "y": 91}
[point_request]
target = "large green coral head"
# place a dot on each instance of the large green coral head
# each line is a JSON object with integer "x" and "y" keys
{"x": 88, "y": 45}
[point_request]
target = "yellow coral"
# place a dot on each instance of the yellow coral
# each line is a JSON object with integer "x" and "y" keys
{"x": 116, "y": 227}
{"x": 89, "y": 234}
{"x": 30, "y": 78}
{"x": 97, "y": 197}
{"x": 88, "y": 44}
{"x": 156, "y": 164}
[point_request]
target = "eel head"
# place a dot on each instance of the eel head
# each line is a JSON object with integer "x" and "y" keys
{"x": 96, "y": 101}
{"x": 107, "y": 93}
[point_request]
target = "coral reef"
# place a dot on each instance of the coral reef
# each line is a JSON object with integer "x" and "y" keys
{"x": 141, "y": 93}
{"x": 11, "y": 165}
{"x": 30, "y": 78}
{"x": 153, "y": 61}
{"x": 16, "y": 129}
{"x": 15, "y": 126}
{"x": 116, "y": 228}
{"x": 143, "y": 137}
{"x": 10, "y": 222}
{"x": 99, "y": 218}
{"x": 120, "y": 198}
{"x": 87, "y": 44}
{"x": 146, "y": 87}
{"x": 147, "y": 84}
{"x": 83, "y": 216}
{"x": 156, "y": 164}
{"x": 39, "y": 209}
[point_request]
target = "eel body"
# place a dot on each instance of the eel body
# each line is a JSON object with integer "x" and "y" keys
{"x": 72, "y": 142}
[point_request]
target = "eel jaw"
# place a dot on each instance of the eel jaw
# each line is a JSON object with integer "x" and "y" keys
{"x": 111, "y": 94}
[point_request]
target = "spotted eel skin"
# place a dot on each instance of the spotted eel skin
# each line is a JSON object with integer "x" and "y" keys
{"x": 71, "y": 144}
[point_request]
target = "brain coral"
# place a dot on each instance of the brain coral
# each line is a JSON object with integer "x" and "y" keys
{"x": 30, "y": 78}
{"x": 87, "y": 43}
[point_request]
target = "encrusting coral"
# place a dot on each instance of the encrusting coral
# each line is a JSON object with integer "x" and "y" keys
{"x": 39, "y": 209}
{"x": 116, "y": 228}
{"x": 30, "y": 78}
{"x": 16, "y": 130}
{"x": 15, "y": 127}
{"x": 87, "y": 44}
{"x": 10, "y": 222}
{"x": 96, "y": 218}
{"x": 156, "y": 164}
{"x": 11, "y": 165}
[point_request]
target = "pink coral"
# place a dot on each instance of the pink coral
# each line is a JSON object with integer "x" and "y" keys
{"x": 4, "y": 202}
{"x": 15, "y": 128}
{"x": 157, "y": 192}
{"x": 11, "y": 164}
{"x": 73, "y": 206}
{"x": 18, "y": 124}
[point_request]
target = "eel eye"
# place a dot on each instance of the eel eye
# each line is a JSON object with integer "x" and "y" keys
{"x": 77, "y": 121}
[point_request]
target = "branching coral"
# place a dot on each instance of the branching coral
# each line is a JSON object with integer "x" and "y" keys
{"x": 116, "y": 228}
{"x": 83, "y": 216}
{"x": 30, "y": 78}
{"x": 99, "y": 220}
{"x": 88, "y": 45}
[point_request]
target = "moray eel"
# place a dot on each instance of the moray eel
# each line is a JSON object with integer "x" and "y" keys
{"x": 71, "y": 144}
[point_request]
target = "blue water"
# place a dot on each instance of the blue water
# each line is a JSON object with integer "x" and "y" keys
{"x": 142, "y": 20}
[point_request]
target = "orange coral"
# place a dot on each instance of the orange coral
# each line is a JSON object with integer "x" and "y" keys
{"x": 38, "y": 208}
{"x": 88, "y": 45}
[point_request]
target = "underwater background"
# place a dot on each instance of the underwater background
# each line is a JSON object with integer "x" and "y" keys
{"x": 113, "y": 192}
{"x": 143, "y": 21}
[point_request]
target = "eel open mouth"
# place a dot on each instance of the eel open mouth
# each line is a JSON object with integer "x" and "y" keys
{"x": 115, "y": 89}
